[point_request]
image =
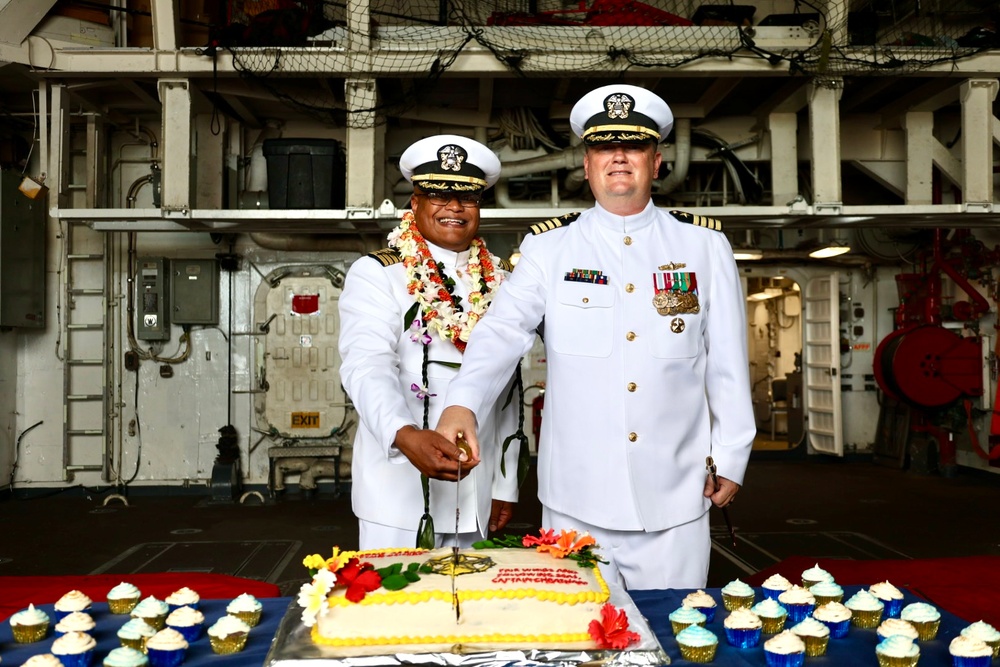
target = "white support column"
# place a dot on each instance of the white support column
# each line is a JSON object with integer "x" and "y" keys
{"x": 58, "y": 169}
{"x": 208, "y": 161}
{"x": 783, "y": 128}
{"x": 919, "y": 128}
{"x": 358, "y": 25}
{"x": 977, "y": 97}
{"x": 164, "y": 25}
{"x": 176, "y": 178}
{"x": 824, "y": 138}
{"x": 365, "y": 145}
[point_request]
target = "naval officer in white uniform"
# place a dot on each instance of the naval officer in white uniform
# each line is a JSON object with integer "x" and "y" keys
{"x": 645, "y": 341}
{"x": 406, "y": 313}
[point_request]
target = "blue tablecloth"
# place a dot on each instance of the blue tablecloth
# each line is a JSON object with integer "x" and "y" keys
{"x": 856, "y": 649}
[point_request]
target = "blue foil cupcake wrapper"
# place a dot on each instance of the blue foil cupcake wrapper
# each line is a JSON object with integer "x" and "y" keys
{"x": 783, "y": 660}
{"x": 175, "y": 607}
{"x": 189, "y": 632}
{"x": 798, "y": 612}
{"x": 60, "y": 615}
{"x": 161, "y": 658}
{"x": 838, "y": 629}
{"x": 709, "y": 613}
{"x": 981, "y": 661}
{"x": 892, "y": 608}
{"x": 742, "y": 637}
{"x": 77, "y": 659}
{"x": 771, "y": 593}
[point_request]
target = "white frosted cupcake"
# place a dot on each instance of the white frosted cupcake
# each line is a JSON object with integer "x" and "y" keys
{"x": 814, "y": 634}
{"x": 187, "y": 621}
{"x": 771, "y": 614}
{"x": 984, "y": 632}
{"x": 799, "y": 602}
{"x": 153, "y": 611}
{"x": 743, "y": 628}
{"x": 785, "y": 649}
{"x": 890, "y": 596}
{"x": 42, "y": 660}
{"x": 74, "y": 649}
{"x": 897, "y": 626}
{"x": 737, "y": 595}
{"x": 247, "y": 608}
{"x": 924, "y": 617}
{"x": 228, "y": 635}
{"x": 124, "y": 656}
{"x": 697, "y": 644}
{"x": 814, "y": 575}
{"x": 166, "y": 648}
{"x": 77, "y": 621}
{"x": 969, "y": 652}
{"x": 774, "y": 586}
{"x": 897, "y": 651}
{"x": 29, "y": 625}
{"x": 835, "y": 616}
{"x": 866, "y": 609}
{"x": 183, "y": 597}
{"x": 70, "y": 602}
{"x": 123, "y": 598}
{"x": 135, "y": 634}
{"x": 699, "y": 600}
{"x": 685, "y": 616}
{"x": 827, "y": 591}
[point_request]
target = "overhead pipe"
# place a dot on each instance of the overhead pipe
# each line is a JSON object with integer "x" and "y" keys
{"x": 317, "y": 242}
{"x": 682, "y": 157}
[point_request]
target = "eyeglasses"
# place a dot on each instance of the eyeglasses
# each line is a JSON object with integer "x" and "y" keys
{"x": 468, "y": 199}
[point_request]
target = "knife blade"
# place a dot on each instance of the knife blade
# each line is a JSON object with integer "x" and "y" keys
{"x": 713, "y": 473}
{"x": 463, "y": 445}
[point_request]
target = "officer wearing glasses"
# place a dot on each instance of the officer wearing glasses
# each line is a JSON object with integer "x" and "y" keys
{"x": 406, "y": 313}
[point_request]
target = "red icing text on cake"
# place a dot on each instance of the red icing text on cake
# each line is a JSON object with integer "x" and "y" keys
{"x": 538, "y": 575}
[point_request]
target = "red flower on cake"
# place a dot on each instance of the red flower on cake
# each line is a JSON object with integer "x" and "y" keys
{"x": 612, "y": 630}
{"x": 567, "y": 544}
{"x": 360, "y": 579}
{"x": 546, "y": 537}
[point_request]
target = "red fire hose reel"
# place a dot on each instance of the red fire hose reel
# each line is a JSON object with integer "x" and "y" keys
{"x": 929, "y": 366}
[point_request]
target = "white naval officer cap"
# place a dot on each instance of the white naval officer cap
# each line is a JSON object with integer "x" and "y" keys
{"x": 621, "y": 113}
{"x": 448, "y": 162}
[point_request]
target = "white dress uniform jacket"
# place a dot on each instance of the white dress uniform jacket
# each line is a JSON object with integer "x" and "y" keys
{"x": 634, "y": 400}
{"x": 380, "y": 364}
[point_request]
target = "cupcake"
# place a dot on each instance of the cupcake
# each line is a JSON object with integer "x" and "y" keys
{"x": 814, "y": 635}
{"x": 890, "y": 596}
{"x": 187, "y": 621}
{"x": 72, "y": 601}
{"x": 697, "y": 644}
{"x": 123, "y": 598}
{"x": 785, "y": 649}
{"x": 183, "y": 597}
{"x": 984, "y": 632}
{"x": 772, "y": 615}
{"x": 969, "y": 652}
{"x": 124, "y": 656}
{"x": 924, "y": 617}
{"x": 835, "y": 616}
{"x": 166, "y": 648}
{"x": 152, "y": 611}
{"x": 42, "y": 660}
{"x": 897, "y": 626}
{"x": 682, "y": 617}
{"x": 827, "y": 591}
{"x": 799, "y": 603}
{"x": 737, "y": 595}
{"x": 77, "y": 621}
{"x": 814, "y": 575}
{"x": 135, "y": 633}
{"x": 743, "y": 628}
{"x": 699, "y": 600}
{"x": 774, "y": 586}
{"x": 866, "y": 609}
{"x": 897, "y": 651}
{"x": 228, "y": 635}
{"x": 29, "y": 625}
{"x": 74, "y": 649}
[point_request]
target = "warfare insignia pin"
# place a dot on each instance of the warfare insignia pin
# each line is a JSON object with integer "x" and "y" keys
{"x": 452, "y": 157}
{"x": 619, "y": 105}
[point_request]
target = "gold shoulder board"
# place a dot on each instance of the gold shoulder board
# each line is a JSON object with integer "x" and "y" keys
{"x": 386, "y": 256}
{"x": 554, "y": 223}
{"x": 698, "y": 220}
{"x": 506, "y": 265}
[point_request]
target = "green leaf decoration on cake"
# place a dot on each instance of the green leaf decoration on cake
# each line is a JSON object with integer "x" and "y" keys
{"x": 395, "y": 582}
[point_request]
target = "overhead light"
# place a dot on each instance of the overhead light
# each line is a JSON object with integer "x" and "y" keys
{"x": 830, "y": 249}
{"x": 766, "y": 293}
{"x": 751, "y": 254}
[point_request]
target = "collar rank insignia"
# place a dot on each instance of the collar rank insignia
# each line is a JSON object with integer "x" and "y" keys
{"x": 452, "y": 157}
{"x": 618, "y": 105}
{"x": 675, "y": 293}
{"x": 698, "y": 220}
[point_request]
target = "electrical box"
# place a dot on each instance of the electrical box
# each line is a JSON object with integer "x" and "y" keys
{"x": 22, "y": 255}
{"x": 194, "y": 291}
{"x": 153, "y": 287}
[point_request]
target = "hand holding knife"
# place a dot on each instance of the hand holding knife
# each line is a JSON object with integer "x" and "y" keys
{"x": 713, "y": 474}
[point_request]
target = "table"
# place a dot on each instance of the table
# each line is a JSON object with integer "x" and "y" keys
{"x": 856, "y": 649}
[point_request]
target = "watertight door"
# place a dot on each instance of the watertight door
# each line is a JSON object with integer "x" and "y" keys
{"x": 824, "y": 419}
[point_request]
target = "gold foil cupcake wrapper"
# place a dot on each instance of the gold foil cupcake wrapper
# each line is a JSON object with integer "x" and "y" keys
{"x": 897, "y": 661}
{"x": 815, "y": 646}
{"x": 229, "y": 644}
{"x": 122, "y": 605}
{"x": 927, "y": 630}
{"x": 866, "y": 618}
{"x": 734, "y": 602}
{"x": 138, "y": 643}
{"x": 698, "y": 653}
{"x": 823, "y": 599}
{"x": 772, "y": 626}
{"x": 251, "y": 618}
{"x": 155, "y": 622}
{"x": 26, "y": 634}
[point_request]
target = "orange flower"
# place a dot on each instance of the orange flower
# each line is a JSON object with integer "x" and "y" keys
{"x": 567, "y": 543}
{"x": 612, "y": 630}
{"x": 545, "y": 537}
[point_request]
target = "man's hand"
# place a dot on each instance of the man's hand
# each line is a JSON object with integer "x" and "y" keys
{"x": 431, "y": 454}
{"x": 454, "y": 420}
{"x": 724, "y": 495}
{"x": 500, "y": 514}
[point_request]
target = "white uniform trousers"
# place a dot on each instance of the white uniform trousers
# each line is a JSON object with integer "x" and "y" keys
{"x": 377, "y": 536}
{"x": 637, "y": 560}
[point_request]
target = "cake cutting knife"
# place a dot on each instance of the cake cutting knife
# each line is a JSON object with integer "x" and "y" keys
{"x": 461, "y": 443}
{"x": 712, "y": 471}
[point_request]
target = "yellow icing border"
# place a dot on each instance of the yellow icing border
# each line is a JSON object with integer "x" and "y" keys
{"x": 495, "y": 638}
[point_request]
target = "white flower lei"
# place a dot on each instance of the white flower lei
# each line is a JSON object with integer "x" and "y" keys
{"x": 425, "y": 282}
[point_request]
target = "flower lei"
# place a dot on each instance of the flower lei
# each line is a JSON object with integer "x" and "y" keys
{"x": 440, "y": 310}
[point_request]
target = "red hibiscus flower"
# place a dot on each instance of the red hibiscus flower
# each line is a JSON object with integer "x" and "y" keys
{"x": 566, "y": 544}
{"x": 360, "y": 579}
{"x": 547, "y": 537}
{"x": 612, "y": 630}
